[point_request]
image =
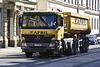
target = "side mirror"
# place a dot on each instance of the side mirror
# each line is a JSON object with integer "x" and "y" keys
{"x": 62, "y": 21}
{"x": 20, "y": 20}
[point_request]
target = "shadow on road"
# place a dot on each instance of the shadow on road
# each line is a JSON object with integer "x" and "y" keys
{"x": 20, "y": 60}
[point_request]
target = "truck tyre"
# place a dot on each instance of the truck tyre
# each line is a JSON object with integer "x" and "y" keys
{"x": 75, "y": 47}
{"x": 86, "y": 44}
{"x": 82, "y": 47}
{"x": 28, "y": 54}
{"x": 73, "y": 50}
{"x": 60, "y": 53}
{"x": 64, "y": 49}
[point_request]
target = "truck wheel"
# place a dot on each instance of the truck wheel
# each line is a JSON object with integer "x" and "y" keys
{"x": 74, "y": 48}
{"x": 72, "y": 51}
{"x": 60, "y": 53}
{"x": 64, "y": 49}
{"x": 28, "y": 54}
{"x": 86, "y": 44}
{"x": 82, "y": 48}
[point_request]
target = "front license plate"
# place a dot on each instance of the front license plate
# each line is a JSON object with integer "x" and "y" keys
{"x": 37, "y": 44}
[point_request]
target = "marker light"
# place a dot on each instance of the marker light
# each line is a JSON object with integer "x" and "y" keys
{"x": 52, "y": 9}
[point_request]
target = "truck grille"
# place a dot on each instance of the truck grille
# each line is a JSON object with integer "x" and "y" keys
{"x": 38, "y": 38}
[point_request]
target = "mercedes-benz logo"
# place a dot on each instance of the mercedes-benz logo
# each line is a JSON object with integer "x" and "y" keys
{"x": 38, "y": 38}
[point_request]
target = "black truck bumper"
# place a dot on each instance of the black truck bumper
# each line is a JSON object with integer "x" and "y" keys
{"x": 38, "y": 47}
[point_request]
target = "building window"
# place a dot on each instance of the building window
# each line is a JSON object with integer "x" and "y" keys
{"x": 87, "y": 4}
{"x": 81, "y": 2}
{"x": 95, "y": 4}
{"x": 92, "y": 24}
{"x": 98, "y": 5}
{"x": 72, "y": 2}
{"x": 75, "y": 2}
{"x": 64, "y": 0}
{"x": 92, "y": 4}
{"x": 0, "y": 22}
{"x": 68, "y": 1}
{"x": 97, "y": 24}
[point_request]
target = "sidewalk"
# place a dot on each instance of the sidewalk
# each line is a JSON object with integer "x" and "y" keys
{"x": 10, "y": 51}
{"x": 17, "y": 50}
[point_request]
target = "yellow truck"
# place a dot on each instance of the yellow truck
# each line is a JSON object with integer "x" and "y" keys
{"x": 54, "y": 33}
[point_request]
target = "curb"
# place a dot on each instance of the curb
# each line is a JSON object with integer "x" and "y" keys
{"x": 10, "y": 51}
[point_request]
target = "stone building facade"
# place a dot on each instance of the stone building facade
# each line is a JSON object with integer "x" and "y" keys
{"x": 9, "y": 26}
{"x": 9, "y": 21}
{"x": 85, "y": 7}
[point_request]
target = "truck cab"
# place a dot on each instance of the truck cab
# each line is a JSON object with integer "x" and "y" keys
{"x": 41, "y": 32}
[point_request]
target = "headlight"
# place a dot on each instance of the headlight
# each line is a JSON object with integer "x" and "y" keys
{"x": 51, "y": 45}
{"x": 24, "y": 44}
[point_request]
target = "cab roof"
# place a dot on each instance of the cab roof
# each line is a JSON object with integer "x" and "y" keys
{"x": 39, "y": 12}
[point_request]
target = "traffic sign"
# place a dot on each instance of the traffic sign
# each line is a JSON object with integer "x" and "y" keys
{"x": 17, "y": 12}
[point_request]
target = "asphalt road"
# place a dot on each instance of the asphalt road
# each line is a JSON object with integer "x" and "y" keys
{"x": 95, "y": 63}
{"x": 90, "y": 59}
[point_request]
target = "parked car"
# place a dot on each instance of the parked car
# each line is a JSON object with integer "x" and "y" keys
{"x": 98, "y": 38}
{"x": 93, "y": 40}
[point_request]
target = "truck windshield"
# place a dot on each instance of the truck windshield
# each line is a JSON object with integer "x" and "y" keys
{"x": 38, "y": 21}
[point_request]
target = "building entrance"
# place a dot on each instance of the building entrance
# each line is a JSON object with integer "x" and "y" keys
{"x": 8, "y": 26}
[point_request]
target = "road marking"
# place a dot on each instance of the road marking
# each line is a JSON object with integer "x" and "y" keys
{"x": 23, "y": 66}
{"x": 39, "y": 62}
{"x": 58, "y": 59}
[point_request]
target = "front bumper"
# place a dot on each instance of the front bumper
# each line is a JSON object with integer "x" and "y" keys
{"x": 38, "y": 47}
